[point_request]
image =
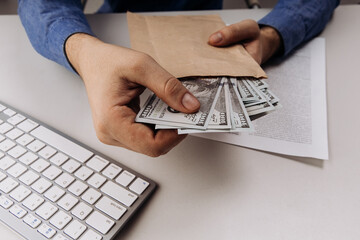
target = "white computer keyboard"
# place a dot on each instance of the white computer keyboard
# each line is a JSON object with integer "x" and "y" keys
{"x": 53, "y": 187}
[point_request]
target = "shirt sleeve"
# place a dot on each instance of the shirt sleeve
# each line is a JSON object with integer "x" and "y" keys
{"x": 48, "y": 24}
{"x": 298, "y": 21}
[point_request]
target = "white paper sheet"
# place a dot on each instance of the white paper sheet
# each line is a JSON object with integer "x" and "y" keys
{"x": 299, "y": 128}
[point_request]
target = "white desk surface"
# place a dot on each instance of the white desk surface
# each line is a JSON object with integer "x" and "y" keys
{"x": 211, "y": 190}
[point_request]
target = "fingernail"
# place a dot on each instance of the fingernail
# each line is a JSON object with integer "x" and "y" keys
{"x": 216, "y": 38}
{"x": 190, "y": 102}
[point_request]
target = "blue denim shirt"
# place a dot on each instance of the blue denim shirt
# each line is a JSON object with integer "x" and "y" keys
{"x": 48, "y": 23}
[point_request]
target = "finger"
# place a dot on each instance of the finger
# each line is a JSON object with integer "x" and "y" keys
{"x": 139, "y": 137}
{"x": 151, "y": 75}
{"x": 241, "y": 31}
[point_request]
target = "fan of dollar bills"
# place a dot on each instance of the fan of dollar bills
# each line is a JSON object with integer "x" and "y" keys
{"x": 226, "y": 106}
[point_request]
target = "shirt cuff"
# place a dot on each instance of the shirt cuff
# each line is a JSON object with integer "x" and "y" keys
{"x": 59, "y": 32}
{"x": 289, "y": 25}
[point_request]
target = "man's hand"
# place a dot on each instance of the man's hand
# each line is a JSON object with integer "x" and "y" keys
{"x": 262, "y": 43}
{"x": 114, "y": 78}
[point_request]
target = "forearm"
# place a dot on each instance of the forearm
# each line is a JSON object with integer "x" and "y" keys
{"x": 298, "y": 21}
{"x": 48, "y": 24}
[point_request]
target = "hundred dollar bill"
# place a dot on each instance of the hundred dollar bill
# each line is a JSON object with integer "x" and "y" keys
{"x": 260, "y": 84}
{"x": 270, "y": 96}
{"x": 245, "y": 92}
{"x": 206, "y": 90}
{"x": 259, "y": 96}
{"x": 220, "y": 117}
{"x": 240, "y": 118}
{"x": 260, "y": 108}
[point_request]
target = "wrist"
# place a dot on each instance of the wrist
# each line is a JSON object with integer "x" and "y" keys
{"x": 272, "y": 42}
{"x": 76, "y": 48}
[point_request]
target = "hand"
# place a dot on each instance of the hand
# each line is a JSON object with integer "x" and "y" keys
{"x": 114, "y": 78}
{"x": 261, "y": 43}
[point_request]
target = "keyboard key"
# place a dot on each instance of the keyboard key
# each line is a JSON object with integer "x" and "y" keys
{"x": 60, "y": 237}
{"x": 2, "y": 107}
{"x": 81, "y": 211}
{"x": 46, "y": 210}
{"x": 64, "y": 180}
{"x": 75, "y": 229}
{"x": 2, "y": 176}
{"x": 54, "y": 193}
{"x": 67, "y": 202}
{"x": 125, "y": 178}
{"x": 97, "y": 163}
{"x": 14, "y": 133}
{"x": 46, "y": 230}
{"x": 41, "y": 185}
{"x": 27, "y": 125}
{"x": 33, "y": 201}
{"x": 5, "y": 202}
{"x": 96, "y": 180}
{"x": 71, "y": 165}
{"x": 52, "y": 172}
{"x": 28, "y": 158}
{"x": 110, "y": 207}
{"x": 68, "y": 147}
{"x": 119, "y": 193}
{"x": 58, "y": 159}
{"x": 25, "y": 139}
{"x": 77, "y": 188}
{"x": 100, "y": 222}
{"x": 60, "y": 219}
{"x": 91, "y": 235}
{"x": 40, "y": 165}
{"x": 35, "y": 146}
{"x": 6, "y": 162}
{"x": 32, "y": 221}
{"x": 111, "y": 171}
{"x": 83, "y": 173}
{"x": 17, "y": 151}
{"x": 6, "y": 145}
{"x": 139, "y": 186}
{"x": 16, "y": 119}
{"x": 20, "y": 193}
{"x": 8, "y": 185}
{"x": 5, "y": 127}
{"x": 9, "y": 112}
{"x": 16, "y": 170}
{"x": 18, "y": 211}
{"x": 91, "y": 196}
{"x": 29, "y": 177}
{"x": 47, "y": 152}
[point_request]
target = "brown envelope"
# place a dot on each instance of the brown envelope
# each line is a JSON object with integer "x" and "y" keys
{"x": 179, "y": 44}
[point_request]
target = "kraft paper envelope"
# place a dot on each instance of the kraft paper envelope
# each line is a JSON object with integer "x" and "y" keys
{"x": 179, "y": 44}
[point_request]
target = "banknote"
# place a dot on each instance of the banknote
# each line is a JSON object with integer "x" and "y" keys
{"x": 220, "y": 117}
{"x": 259, "y": 83}
{"x": 245, "y": 92}
{"x": 206, "y": 90}
{"x": 270, "y": 95}
{"x": 227, "y": 104}
{"x": 259, "y": 96}
{"x": 238, "y": 121}
{"x": 240, "y": 117}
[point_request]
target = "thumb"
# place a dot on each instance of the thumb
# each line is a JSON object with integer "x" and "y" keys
{"x": 172, "y": 92}
{"x": 241, "y": 31}
{"x": 168, "y": 88}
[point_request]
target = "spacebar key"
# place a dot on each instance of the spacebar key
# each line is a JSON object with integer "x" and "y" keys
{"x": 68, "y": 147}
